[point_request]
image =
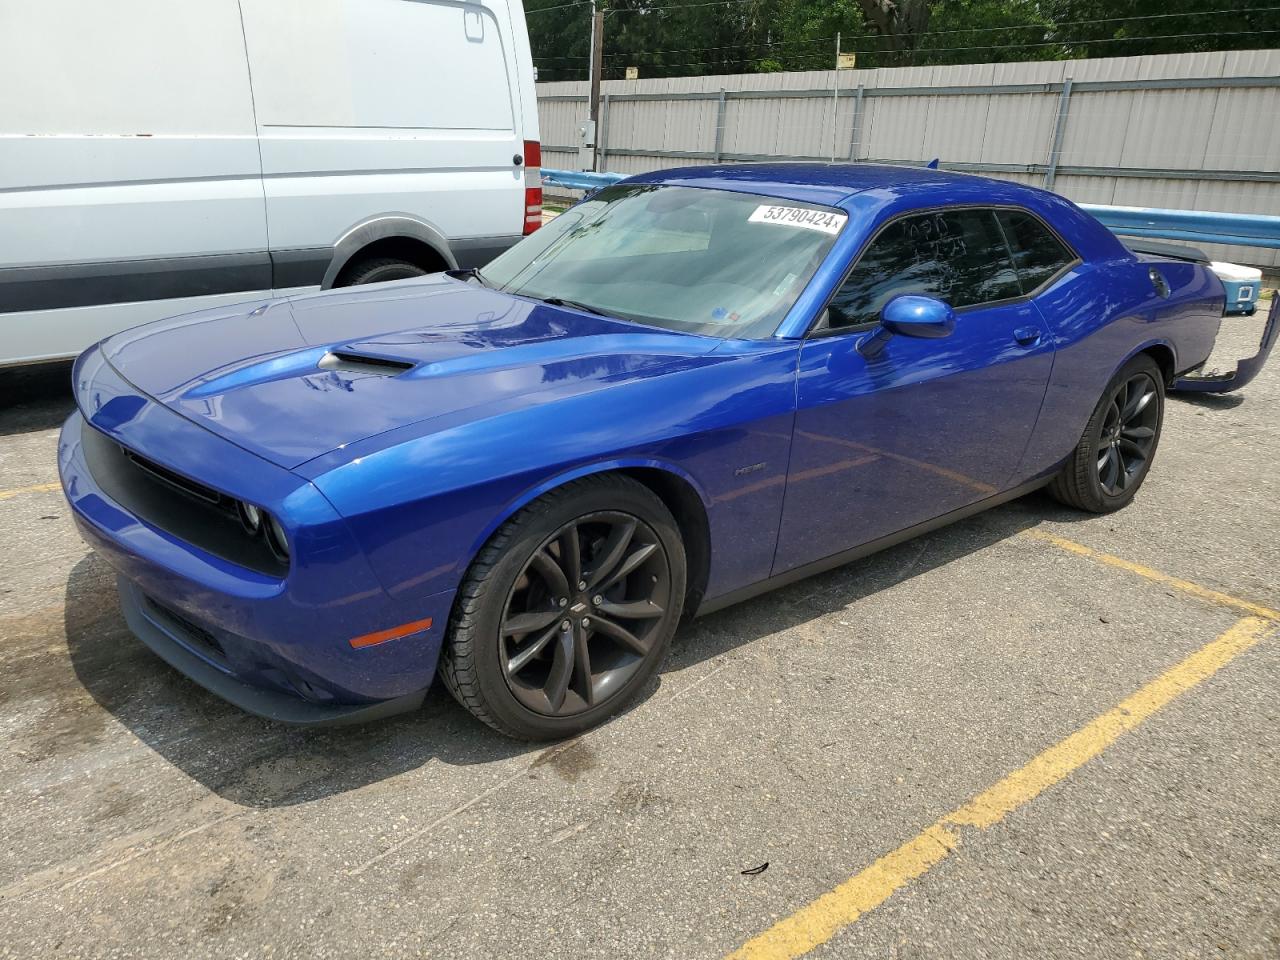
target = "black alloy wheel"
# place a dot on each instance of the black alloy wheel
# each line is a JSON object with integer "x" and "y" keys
{"x": 1128, "y": 433}
{"x": 581, "y": 617}
{"x": 568, "y": 610}
{"x": 1115, "y": 452}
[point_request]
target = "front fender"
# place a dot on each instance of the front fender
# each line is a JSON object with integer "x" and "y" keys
{"x": 577, "y": 473}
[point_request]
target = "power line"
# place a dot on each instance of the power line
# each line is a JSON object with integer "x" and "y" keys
{"x": 823, "y": 59}
{"x": 558, "y": 6}
{"x": 1047, "y": 27}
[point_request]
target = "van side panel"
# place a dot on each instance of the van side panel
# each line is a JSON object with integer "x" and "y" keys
{"x": 526, "y": 92}
{"x": 396, "y": 108}
{"x": 129, "y": 166}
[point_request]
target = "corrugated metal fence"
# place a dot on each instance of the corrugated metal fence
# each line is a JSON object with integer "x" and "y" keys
{"x": 1188, "y": 131}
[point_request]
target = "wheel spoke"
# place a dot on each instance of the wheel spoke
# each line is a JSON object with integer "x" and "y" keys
{"x": 1135, "y": 403}
{"x": 582, "y": 666}
{"x": 570, "y": 553}
{"x": 615, "y": 547}
{"x": 561, "y": 670}
{"x": 521, "y": 659}
{"x": 1137, "y": 433}
{"x": 529, "y": 622}
{"x": 1112, "y": 471}
{"x": 1134, "y": 451}
{"x": 621, "y": 634}
{"x": 551, "y": 573}
{"x": 633, "y": 610}
{"x": 636, "y": 558}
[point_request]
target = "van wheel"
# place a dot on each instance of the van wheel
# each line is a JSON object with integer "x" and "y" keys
{"x": 379, "y": 271}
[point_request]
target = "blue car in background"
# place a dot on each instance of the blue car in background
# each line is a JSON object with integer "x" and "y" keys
{"x": 693, "y": 386}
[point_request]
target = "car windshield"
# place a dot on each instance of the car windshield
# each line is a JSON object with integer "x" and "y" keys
{"x": 698, "y": 260}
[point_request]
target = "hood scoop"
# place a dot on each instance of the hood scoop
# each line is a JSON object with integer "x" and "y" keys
{"x": 359, "y": 363}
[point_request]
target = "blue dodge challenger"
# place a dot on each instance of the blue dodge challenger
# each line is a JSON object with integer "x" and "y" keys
{"x": 693, "y": 386}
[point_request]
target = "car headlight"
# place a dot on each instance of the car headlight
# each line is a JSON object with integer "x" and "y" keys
{"x": 250, "y": 517}
{"x": 276, "y": 539}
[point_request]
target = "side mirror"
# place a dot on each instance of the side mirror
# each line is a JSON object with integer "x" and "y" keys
{"x": 909, "y": 315}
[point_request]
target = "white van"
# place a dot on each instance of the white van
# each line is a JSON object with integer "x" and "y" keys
{"x": 158, "y": 156}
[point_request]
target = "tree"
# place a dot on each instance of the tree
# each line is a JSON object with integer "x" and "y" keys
{"x": 695, "y": 37}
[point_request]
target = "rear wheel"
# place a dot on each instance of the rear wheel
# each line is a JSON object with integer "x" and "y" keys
{"x": 1114, "y": 454}
{"x": 568, "y": 611}
{"x": 379, "y": 270}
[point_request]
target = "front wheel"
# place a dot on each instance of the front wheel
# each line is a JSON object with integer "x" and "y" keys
{"x": 568, "y": 611}
{"x": 1114, "y": 454}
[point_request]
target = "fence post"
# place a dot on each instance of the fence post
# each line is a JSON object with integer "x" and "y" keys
{"x": 1059, "y": 128}
{"x": 719, "y": 125}
{"x": 855, "y": 123}
{"x": 602, "y": 149}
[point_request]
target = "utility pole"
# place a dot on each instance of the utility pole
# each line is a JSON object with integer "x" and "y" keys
{"x": 835, "y": 99}
{"x": 597, "y": 55}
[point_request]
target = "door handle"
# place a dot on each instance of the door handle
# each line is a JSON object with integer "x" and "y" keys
{"x": 1027, "y": 335}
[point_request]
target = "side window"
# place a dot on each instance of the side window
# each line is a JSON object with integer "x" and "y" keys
{"x": 1037, "y": 253}
{"x": 958, "y": 256}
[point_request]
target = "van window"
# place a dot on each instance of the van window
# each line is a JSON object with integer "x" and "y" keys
{"x": 408, "y": 64}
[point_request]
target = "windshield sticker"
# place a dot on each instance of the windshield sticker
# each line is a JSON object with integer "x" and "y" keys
{"x": 823, "y": 221}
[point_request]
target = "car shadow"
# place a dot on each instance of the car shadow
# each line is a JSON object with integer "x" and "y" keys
{"x": 258, "y": 763}
{"x": 1210, "y": 401}
{"x": 814, "y": 597}
{"x": 34, "y": 398}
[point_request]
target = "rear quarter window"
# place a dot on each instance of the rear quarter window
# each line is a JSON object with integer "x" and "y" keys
{"x": 1038, "y": 255}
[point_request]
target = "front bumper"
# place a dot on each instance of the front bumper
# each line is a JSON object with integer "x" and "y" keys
{"x": 167, "y": 639}
{"x": 279, "y": 645}
{"x": 1246, "y": 369}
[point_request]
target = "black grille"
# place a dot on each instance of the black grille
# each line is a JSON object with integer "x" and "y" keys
{"x": 185, "y": 508}
{"x": 176, "y": 481}
{"x": 192, "y": 634}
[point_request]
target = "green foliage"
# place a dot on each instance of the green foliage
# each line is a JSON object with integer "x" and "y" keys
{"x": 676, "y": 38}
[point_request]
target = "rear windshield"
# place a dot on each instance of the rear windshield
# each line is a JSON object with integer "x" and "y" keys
{"x": 698, "y": 260}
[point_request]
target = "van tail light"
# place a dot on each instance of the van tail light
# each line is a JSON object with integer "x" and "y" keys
{"x": 532, "y": 186}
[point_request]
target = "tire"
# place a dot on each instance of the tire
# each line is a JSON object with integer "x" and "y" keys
{"x": 1102, "y": 480}
{"x": 512, "y": 582}
{"x": 378, "y": 271}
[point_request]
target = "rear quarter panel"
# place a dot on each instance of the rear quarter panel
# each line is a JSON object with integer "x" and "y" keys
{"x": 1102, "y": 314}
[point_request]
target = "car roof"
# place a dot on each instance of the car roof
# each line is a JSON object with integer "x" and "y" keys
{"x": 818, "y": 182}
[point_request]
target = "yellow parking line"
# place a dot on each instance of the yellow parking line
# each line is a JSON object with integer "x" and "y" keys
{"x": 815, "y": 924}
{"x": 38, "y": 488}
{"x": 1186, "y": 586}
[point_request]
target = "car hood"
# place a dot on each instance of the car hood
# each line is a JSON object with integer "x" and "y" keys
{"x": 291, "y": 380}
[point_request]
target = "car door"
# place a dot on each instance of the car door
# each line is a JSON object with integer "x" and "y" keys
{"x": 927, "y": 426}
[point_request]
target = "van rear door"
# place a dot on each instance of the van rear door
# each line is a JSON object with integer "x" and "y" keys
{"x": 383, "y": 108}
